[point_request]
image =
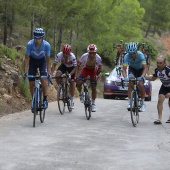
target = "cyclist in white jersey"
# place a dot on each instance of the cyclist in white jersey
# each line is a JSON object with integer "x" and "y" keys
{"x": 137, "y": 68}
{"x": 163, "y": 73}
{"x": 68, "y": 63}
{"x": 92, "y": 65}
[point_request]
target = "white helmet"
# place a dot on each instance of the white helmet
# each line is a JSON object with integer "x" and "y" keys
{"x": 92, "y": 48}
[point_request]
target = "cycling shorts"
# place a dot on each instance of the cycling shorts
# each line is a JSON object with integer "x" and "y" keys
{"x": 88, "y": 72}
{"x": 136, "y": 73}
{"x": 35, "y": 64}
{"x": 62, "y": 68}
{"x": 164, "y": 90}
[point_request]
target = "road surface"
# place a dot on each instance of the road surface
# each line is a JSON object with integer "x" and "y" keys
{"x": 108, "y": 141}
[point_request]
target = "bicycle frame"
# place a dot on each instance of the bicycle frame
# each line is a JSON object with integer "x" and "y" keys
{"x": 135, "y": 101}
{"x": 37, "y": 105}
{"x": 63, "y": 99}
{"x": 87, "y": 98}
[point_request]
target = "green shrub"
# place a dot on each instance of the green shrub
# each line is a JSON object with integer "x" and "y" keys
{"x": 24, "y": 89}
{"x": 10, "y": 53}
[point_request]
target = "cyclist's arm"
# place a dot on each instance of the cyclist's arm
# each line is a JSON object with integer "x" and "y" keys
{"x": 78, "y": 68}
{"x": 48, "y": 64}
{"x": 124, "y": 70}
{"x": 26, "y": 61}
{"x": 53, "y": 68}
{"x": 99, "y": 70}
{"x": 144, "y": 70}
{"x": 74, "y": 70}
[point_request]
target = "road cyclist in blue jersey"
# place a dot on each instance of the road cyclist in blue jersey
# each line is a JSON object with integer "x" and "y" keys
{"x": 37, "y": 57}
{"x": 135, "y": 62}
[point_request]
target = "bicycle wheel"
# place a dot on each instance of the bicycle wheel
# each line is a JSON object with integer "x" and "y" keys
{"x": 134, "y": 108}
{"x": 87, "y": 105}
{"x": 41, "y": 110}
{"x": 35, "y": 105}
{"x": 68, "y": 99}
{"x": 61, "y": 99}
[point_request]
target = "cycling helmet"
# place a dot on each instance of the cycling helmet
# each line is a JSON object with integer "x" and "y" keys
{"x": 39, "y": 33}
{"x": 131, "y": 48}
{"x": 92, "y": 48}
{"x": 66, "y": 49}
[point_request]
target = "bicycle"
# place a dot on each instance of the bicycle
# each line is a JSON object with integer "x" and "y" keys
{"x": 63, "y": 93}
{"x": 87, "y": 98}
{"x": 135, "y": 100}
{"x": 37, "y": 99}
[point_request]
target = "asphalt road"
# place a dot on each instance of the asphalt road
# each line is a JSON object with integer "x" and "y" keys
{"x": 108, "y": 141}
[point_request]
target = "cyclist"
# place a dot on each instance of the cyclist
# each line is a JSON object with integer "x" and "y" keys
{"x": 163, "y": 73}
{"x": 69, "y": 64}
{"x": 92, "y": 64}
{"x": 38, "y": 57}
{"x": 137, "y": 68}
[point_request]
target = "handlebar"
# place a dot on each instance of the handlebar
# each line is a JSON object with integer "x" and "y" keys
{"x": 37, "y": 77}
{"x": 134, "y": 79}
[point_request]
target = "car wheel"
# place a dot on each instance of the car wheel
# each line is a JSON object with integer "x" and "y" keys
{"x": 106, "y": 96}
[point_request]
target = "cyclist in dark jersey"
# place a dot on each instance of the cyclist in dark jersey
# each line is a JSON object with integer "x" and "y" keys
{"x": 38, "y": 57}
{"x": 163, "y": 73}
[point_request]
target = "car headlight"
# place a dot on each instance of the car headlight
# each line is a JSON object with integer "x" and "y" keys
{"x": 110, "y": 82}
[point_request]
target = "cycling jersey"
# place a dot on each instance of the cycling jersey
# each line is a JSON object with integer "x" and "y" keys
{"x": 84, "y": 58}
{"x": 163, "y": 75}
{"x": 137, "y": 63}
{"x": 71, "y": 61}
{"x": 35, "y": 53}
{"x": 91, "y": 71}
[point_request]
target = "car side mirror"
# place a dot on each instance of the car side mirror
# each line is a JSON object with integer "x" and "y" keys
{"x": 107, "y": 74}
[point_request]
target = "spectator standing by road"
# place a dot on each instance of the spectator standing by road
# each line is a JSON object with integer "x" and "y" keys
{"x": 163, "y": 73}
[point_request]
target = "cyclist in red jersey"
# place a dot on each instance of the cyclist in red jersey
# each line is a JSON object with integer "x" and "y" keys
{"x": 92, "y": 64}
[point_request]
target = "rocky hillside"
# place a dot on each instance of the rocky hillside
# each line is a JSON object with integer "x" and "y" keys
{"x": 11, "y": 100}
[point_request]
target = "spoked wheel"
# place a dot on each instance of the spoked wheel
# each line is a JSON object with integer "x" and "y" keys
{"x": 60, "y": 99}
{"x": 87, "y": 111}
{"x": 69, "y": 105}
{"x": 87, "y": 105}
{"x": 41, "y": 110}
{"x": 42, "y": 115}
{"x": 35, "y": 104}
{"x": 68, "y": 98}
{"x": 134, "y": 109}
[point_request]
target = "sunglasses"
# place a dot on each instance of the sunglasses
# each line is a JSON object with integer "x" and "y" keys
{"x": 38, "y": 34}
{"x": 131, "y": 54}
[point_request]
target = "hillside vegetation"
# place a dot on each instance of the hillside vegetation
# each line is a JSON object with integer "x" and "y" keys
{"x": 78, "y": 23}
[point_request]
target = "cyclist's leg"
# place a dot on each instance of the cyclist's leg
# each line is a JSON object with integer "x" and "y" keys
{"x": 32, "y": 71}
{"x": 44, "y": 82}
{"x": 93, "y": 87}
{"x": 131, "y": 74}
{"x": 61, "y": 70}
{"x": 72, "y": 86}
{"x": 141, "y": 90}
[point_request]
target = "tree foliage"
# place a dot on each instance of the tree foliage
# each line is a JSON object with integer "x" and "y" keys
{"x": 80, "y": 23}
